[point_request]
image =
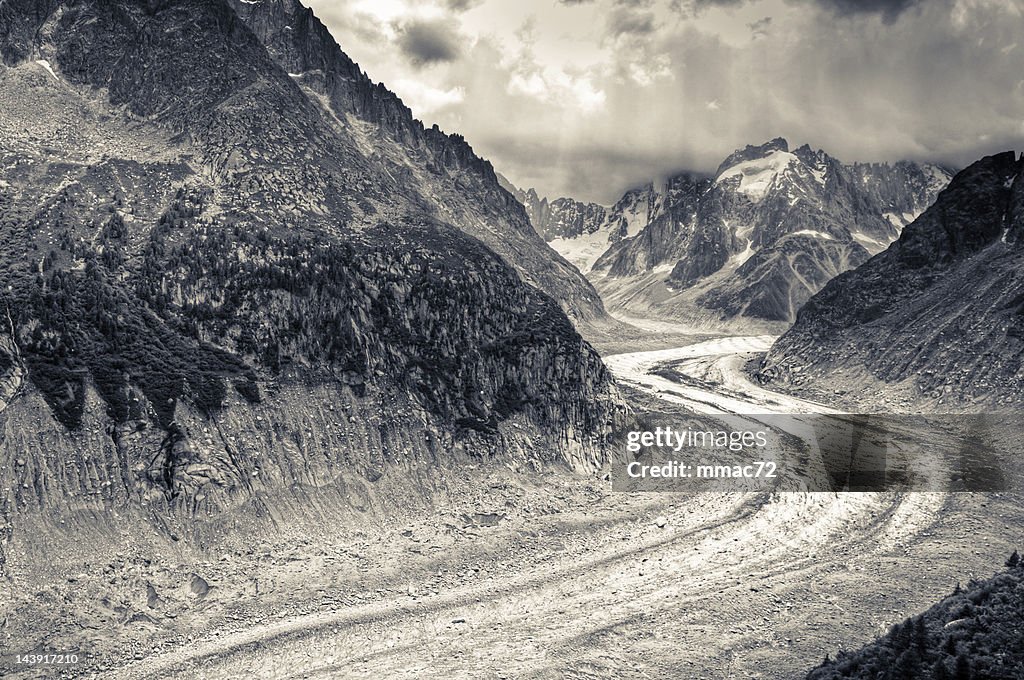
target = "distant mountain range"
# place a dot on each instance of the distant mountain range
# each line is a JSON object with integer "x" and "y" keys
{"x": 936, "y": 319}
{"x": 757, "y": 239}
{"x": 582, "y": 232}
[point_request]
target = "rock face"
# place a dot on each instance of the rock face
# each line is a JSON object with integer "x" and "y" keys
{"x": 218, "y": 294}
{"x": 464, "y": 189}
{"x": 538, "y": 211}
{"x": 582, "y": 232}
{"x": 761, "y": 236}
{"x": 938, "y": 316}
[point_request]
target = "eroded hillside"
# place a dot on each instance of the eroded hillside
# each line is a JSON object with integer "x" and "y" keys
{"x": 214, "y": 294}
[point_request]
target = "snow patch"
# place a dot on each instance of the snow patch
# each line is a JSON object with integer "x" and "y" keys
{"x": 871, "y": 245}
{"x": 49, "y": 69}
{"x": 819, "y": 174}
{"x": 814, "y": 233}
{"x": 758, "y": 175}
{"x": 740, "y": 258}
{"x": 903, "y": 219}
{"x": 637, "y": 217}
{"x": 584, "y": 250}
{"x": 894, "y": 219}
{"x": 938, "y": 178}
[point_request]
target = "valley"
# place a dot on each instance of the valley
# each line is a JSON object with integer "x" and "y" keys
{"x": 565, "y": 578}
{"x": 294, "y": 384}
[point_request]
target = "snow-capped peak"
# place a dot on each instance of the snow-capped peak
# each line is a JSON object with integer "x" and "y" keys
{"x": 758, "y": 175}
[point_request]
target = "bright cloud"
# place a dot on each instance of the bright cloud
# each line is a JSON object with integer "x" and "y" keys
{"x": 588, "y": 97}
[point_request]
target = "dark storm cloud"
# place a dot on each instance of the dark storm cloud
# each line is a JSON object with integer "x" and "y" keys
{"x": 695, "y": 7}
{"x": 429, "y": 41}
{"x": 589, "y": 100}
{"x": 627, "y": 20}
{"x": 888, "y": 9}
{"x": 461, "y": 5}
{"x": 704, "y": 4}
{"x": 759, "y": 28}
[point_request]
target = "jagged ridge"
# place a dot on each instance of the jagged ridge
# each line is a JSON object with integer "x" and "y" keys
{"x": 467, "y": 190}
{"x": 940, "y": 311}
{"x": 763, "y": 235}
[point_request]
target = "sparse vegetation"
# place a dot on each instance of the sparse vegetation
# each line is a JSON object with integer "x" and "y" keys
{"x": 76, "y": 325}
{"x": 197, "y": 307}
{"x": 976, "y": 633}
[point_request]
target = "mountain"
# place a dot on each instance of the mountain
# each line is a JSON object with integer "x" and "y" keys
{"x": 761, "y": 236}
{"x": 938, "y": 318}
{"x": 972, "y": 634}
{"x": 223, "y": 299}
{"x": 463, "y": 189}
{"x": 580, "y": 231}
{"x": 537, "y": 209}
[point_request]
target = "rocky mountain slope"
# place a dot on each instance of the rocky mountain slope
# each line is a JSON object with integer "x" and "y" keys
{"x": 757, "y": 239}
{"x": 937, "y": 318}
{"x": 972, "y": 634}
{"x": 220, "y": 303}
{"x": 582, "y": 232}
{"x": 462, "y": 189}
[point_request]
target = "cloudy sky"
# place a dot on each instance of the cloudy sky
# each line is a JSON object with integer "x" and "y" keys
{"x": 588, "y": 97}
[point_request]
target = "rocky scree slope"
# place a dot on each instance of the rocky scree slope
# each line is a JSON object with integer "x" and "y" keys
{"x": 215, "y": 303}
{"x": 938, "y": 317}
{"x": 463, "y": 188}
{"x": 761, "y": 236}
